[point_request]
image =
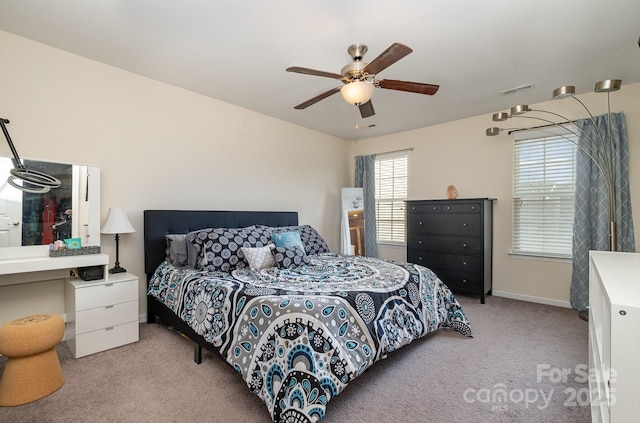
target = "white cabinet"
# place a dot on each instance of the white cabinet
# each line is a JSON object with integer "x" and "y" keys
{"x": 614, "y": 336}
{"x": 102, "y": 314}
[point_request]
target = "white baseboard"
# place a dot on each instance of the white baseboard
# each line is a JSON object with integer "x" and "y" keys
{"x": 531, "y": 299}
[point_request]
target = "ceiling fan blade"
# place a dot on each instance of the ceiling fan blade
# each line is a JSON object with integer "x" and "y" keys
{"x": 317, "y": 98}
{"x": 308, "y": 71}
{"x": 366, "y": 109}
{"x": 412, "y": 87}
{"x": 387, "y": 58}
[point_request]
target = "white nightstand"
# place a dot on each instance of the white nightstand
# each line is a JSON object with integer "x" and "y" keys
{"x": 102, "y": 314}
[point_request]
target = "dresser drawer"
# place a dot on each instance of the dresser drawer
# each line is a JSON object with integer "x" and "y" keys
{"x": 104, "y": 339}
{"x": 460, "y": 280}
{"x": 105, "y": 316}
{"x": 444, "y": 208}
{"x": 444, "y": 244}
{"x": 448, "y": 262}
{"x": 106, "y": 294}
{"x": 445, "y": 224}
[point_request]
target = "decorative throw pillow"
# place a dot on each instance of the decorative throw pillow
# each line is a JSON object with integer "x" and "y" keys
{"x": 259, "y": 257}
{"x": 287, "y": 239}
{"x": 311, "y": 239}
{"x": 219, "y": 249}
{"x": 290, "y": 257}
{"x": 176, "y": 249}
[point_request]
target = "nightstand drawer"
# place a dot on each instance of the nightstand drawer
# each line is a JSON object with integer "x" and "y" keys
{"x": 102, "y": 317}
{"x": 106, "y": 294}
{"x": 104, "y": 339}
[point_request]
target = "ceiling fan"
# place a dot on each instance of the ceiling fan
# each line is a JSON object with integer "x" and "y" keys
{"x": 359, "y": 78}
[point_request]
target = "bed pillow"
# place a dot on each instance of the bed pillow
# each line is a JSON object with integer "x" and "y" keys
{"x": 259, "y": 257}
{"x": 221, "y": 247}
{"x": 311, "y": 239}
{"x": 290, "y": 257}
{"x": 176, "y": 249}
{"x": 198, "y": 241}
{"x": 287, "y": 239}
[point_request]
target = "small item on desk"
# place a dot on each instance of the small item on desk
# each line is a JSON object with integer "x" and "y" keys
{"x": 73, "y": 243}
{"x": 91, "y": 273}
{"x": 64, "y": 252}
{"x": 57, "y": 245}
{"x": 452, "y": 192}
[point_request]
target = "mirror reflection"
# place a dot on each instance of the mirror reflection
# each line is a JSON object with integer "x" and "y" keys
{"x": 69, "y": 211}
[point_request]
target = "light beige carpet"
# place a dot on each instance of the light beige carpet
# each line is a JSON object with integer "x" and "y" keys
{"x": 525, "y": 363}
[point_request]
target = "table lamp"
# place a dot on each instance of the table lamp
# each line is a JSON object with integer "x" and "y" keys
{"x": 117, "y": 223}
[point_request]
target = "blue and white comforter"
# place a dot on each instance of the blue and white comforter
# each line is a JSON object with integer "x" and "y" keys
{"x": 299, "y": 336}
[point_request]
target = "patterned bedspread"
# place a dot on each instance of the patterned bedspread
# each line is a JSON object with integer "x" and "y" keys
{"x": 299, "y": 336}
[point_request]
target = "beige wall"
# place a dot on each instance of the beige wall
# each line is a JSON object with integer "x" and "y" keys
{"x": 459, "y": 153}
{"x": 159, "y": 146}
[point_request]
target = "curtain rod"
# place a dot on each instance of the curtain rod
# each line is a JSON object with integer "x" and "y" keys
{"x": 541, "y": 126}
{"x": 394, "y": 151}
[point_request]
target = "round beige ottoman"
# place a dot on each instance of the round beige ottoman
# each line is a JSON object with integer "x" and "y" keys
{"x": 32, "y": 370}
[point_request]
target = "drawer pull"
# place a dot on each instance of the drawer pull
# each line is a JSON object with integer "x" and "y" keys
{"x": 413, "y": 208}
{"x": 435, "y": 208}
{"x": 473, "y": 207}
{"x": 106, "y": 285}
{"x": 448, "y": 207}
{"x": 464, "y": 281}
{"x": 420, "y": 223}
{"x": 420, "y": 258}
{"x": 420, "y": 242}
{"x": 464, "y": 224}
{"x": 464, "y": 245}
{"x": 109, "y": 306}
{"x": 109, "y": 328}
{"x": 464, "y": 263}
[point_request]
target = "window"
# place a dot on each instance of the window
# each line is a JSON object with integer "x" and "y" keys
{"x": 391, "y": 192}
{"x": 543, "y": 191}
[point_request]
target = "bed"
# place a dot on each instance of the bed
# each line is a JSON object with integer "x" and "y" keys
{"x": 297, "y": 325}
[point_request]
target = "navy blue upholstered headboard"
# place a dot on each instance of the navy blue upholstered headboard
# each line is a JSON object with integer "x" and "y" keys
{"x": 158, "y": 223}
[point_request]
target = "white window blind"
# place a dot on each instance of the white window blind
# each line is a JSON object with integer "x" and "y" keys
{"x": 543, "y": 194}
{"x": 391, "y": 192}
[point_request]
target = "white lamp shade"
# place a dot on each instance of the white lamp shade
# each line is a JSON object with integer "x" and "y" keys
{"x": 117, "y": 223}
{"x": 357, "y": 92}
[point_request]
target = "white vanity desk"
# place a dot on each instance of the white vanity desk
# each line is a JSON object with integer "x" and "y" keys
{"x": 21, "y": 264}
{"x": 99, "y": 314}
{"x": 31, "y": 282}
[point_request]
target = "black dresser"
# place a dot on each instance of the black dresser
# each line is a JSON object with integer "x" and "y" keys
{"x": 454, "y": 239}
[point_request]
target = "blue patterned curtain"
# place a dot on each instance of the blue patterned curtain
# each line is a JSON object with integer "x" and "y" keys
{"x": 365, "y": 178}
{"x": 591, "y": 210}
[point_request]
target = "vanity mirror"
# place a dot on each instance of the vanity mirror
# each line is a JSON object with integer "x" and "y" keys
{"x": 71, "y": 210}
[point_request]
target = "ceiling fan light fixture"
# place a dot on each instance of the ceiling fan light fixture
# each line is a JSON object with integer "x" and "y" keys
{"x": 357, "y": 92}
